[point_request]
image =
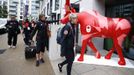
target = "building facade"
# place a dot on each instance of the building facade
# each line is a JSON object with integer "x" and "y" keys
{"x": 54, "y": 10}
{"x": 15, "y": 8}
{"x": 3, "y": 9}
{"x": 51, "y": 8}
{"x": 3, "y": 2}
{"x": 31, "y": 9}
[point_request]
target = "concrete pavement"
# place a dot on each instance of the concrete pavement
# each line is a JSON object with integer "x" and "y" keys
{"x": 12, "y": 61}
{"x": 94, "y": 69}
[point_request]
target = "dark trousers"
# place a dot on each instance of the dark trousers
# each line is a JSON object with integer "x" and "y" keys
{"x": 47, "y": 44}
{"x": 27, "y": 38}
{"x": 12, "y": 39}
{"x": 69, "y": 61}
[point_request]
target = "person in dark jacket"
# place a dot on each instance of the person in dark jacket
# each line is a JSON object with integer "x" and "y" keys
{"x": 68, "y": 44}
{"x": 33, "y": 24}
{"x": 41, "y": 38}
{"x": 13, "y": 30}
{"x": 27, "y": 29}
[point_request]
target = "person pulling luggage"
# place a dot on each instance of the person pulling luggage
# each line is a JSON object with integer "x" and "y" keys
{"x": 41, "y": 38}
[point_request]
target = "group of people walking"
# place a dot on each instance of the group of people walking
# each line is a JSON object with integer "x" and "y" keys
{"x": 29, "y": 29}
{"x": 14, "y": 28}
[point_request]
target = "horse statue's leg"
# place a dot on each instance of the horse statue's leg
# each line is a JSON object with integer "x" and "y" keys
{"x": 84, "y": 44}
{"x": 97, "y": 53}
{"x": 118, "y": 43}
{"x": 108, "y": 56}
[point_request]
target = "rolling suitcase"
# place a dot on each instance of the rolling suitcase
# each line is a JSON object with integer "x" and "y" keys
{"x": 30, "y": 52}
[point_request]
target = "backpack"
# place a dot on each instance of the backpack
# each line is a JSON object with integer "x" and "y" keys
{"x": 60, "y": 36}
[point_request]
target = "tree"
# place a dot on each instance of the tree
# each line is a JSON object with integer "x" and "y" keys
{"x": 3, "y": 11}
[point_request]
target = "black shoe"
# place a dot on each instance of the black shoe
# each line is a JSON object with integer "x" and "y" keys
{"x": 60, "y": 67}
{"x": 37, "y": 63}
{"x": 42, "y": 60}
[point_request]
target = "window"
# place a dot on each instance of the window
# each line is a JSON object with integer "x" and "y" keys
{"x": 21, "y": 13}
{"x": 27, "y": 2}
{"x": 59, "y": 16}
{"x": 33, "y": 1}
{"x": 56, "y": 4}
{"x": 44, "y": 10}
{"x": 0, "y": 2}
{"x": 51, "y": 2}
{"x": 21, "y": 17}
{"x": 48, "y": 9}
{"x": 4, "y": 3}
{"x": 122, "y": 10}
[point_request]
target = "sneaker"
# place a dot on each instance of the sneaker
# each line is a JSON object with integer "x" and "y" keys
{"x": 14, "y": 47}
{"x": 42, "y": 60}
{"x": 60, "y": 67}
{"x": 37, "y": 63}
{"x": 10, "y": 46}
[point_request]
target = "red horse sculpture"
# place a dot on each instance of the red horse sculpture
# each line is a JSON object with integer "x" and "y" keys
{"x": 92, "y": 24}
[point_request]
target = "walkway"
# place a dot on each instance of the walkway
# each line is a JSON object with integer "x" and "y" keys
{"x": 12, "y": 61}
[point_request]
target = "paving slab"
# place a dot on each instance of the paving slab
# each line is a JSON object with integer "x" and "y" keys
{"x": 13, "y": 62}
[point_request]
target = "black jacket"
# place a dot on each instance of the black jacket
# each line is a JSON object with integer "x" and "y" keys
{"x": 41, "y": 27}
{"x": 68, "y": 43}
{"x": 26, "y": 30}
{"x": 13, "y": 27}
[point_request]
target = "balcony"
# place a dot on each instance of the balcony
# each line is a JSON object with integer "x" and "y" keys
{"x": 12, "y": 13}
{"x": 14, "y": 9}
{"x": 15, "y": 1}
{"x": 34, "y": 12}
{"x": 35, "y": 4}
{"x": 38, "y": 1}
{"x": 12, "y": 5}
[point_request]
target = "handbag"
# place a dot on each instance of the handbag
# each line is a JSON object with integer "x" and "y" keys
{"x": 49, "y": 33}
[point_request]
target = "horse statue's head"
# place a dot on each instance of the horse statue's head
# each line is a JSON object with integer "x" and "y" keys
{"x": 68, "y": 10}
{"x": 72, "y": 17}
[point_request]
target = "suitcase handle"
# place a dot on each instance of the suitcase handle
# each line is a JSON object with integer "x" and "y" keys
{"x": 31, "y": 43}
